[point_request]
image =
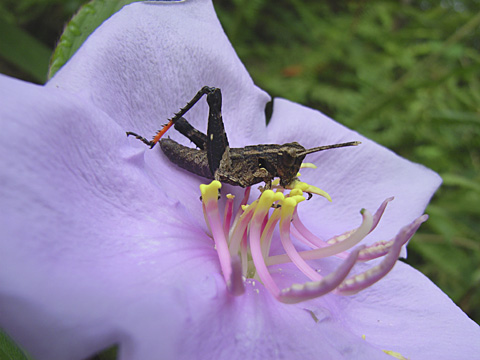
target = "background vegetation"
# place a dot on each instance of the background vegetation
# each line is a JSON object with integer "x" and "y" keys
{"x": 403, "y": 73}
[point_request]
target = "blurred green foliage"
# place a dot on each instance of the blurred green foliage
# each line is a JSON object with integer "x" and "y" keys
{"x": 403, "y": 73}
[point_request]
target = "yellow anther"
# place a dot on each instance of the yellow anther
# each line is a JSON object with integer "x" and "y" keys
{"x": 295, "y": 192}
{"x": 278, "y": 196}
{"x": 230, "y": 196}
{"x": 210, "y": 191}
{"x": 300, "y": 185}
{"x": 297, "y": 184}
{"x": 308, "y": 165}
{"x": 315, "y": 190}
{"x": 249, "y": 206}
{"x": 298, "y": 198}
{"x": 395, "y": 354}
{"x": 276, "y": 182}
{"x": 266, "y": 200}
{"x": 288, "y": 204}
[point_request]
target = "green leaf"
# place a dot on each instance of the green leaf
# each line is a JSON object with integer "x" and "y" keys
{"x": 9, "y": 350}
{"x": 462, "y": 181}
{"x": 110, "y": 353}
{"x": 83, "y": 23}
{"x": 24, "y": 51}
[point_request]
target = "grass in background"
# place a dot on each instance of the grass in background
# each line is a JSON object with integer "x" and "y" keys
{"x": 404, "y": 74}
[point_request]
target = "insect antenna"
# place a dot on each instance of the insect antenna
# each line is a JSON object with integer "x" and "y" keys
{"x": 326, "y": 147}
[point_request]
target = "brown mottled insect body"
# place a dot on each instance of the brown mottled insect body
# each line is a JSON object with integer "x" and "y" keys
{"x": 214, "y": 159}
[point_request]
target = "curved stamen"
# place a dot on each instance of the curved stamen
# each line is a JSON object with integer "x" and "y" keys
{"x": 336, "y": 248}
{"x": 241, "y": 226}
{"x": 304, "y": 235}
{"x": 378, "y": 214}
{"x": 288, "y": 205}
{"x": 367, "y": 278}
{"x": 239, "y": 212}
{"x": 267, "y": 233}
{"x": 210, "y": 203}
{"x": 265, "y": 202}
{"x": 304, "y": 187}
{"x": 310, "y": 290}
{"x": 227, "y": 217}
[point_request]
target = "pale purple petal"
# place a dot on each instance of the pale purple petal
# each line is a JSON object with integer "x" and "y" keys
{"x": 256, "y": 326}
{"x": 407, "y": 313}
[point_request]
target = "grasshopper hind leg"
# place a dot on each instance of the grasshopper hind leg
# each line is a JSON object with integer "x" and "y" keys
{"x": 195, "y": 136}
{"x": 141, "y": 138}
{"x": 206, "y": 90}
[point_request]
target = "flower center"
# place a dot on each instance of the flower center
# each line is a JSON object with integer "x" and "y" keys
{"x": 243, "y": 241}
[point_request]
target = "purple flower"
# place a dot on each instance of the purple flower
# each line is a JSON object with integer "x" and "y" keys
{"x": 104, "y": 242}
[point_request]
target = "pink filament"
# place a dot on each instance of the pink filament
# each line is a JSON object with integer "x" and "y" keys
{"x": 329, "y": 250}
{"x": 368, "y": 278}
{"x": 257, "y": 257}
{"x": 213, "y": 215}
{"x": 292, "y": 253}
{"x": 227, "y": 217}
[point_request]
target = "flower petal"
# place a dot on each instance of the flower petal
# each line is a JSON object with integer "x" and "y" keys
{"x": 256, "y": 326}
{"x": 408, "y": 314}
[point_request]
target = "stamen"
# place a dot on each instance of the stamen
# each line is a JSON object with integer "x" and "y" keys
{"x": 210, "y": 205}
{"x": 227, "y": 217}
{"x": 354, "y": 238}
{"x": 367, "y": 278}
{"x": 267, "y": 232}
{"x": 265, "y": 202}
{"x": 304, "y": 235}
{"x": 288, "y": 207}
{"x": 241, "y": 226}
{"x": 310, "y": 290}
{"x": 244, "y": 201}
{"x": 250, "y": 235}
{"x": 297, "y": 184}
{"x": 379, "y": 213}
{"x": 308, "y": 165}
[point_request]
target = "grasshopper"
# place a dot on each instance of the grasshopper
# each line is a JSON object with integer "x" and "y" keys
{"x": 214, "y": 159}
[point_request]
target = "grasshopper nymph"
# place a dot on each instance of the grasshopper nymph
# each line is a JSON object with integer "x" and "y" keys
{"x": 214, "y": 159}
